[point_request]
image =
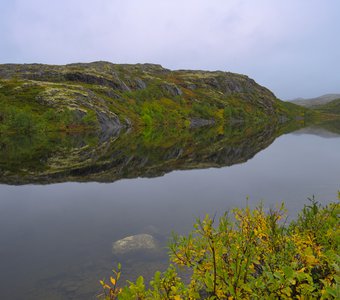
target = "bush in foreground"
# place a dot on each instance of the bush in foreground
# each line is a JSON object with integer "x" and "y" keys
{"x": 249, "y": 254}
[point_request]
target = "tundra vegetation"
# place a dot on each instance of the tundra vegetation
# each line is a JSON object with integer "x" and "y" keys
{"x": 332, "y": 107}
{"x": 248, "y": 254}
{"x": 99, "y": 96}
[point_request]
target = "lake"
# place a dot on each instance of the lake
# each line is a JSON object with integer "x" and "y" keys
{"x": 64, "y": 199}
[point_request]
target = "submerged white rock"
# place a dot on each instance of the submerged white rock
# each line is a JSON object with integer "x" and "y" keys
{"x": 135, "y": 243}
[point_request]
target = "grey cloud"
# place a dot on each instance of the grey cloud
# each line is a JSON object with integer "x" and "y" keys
{"x": 287, "y": 46}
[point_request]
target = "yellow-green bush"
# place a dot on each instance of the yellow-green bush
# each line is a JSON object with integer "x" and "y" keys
{"x": 249, "y": 254}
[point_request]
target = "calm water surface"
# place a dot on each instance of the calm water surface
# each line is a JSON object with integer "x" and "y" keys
{"x": 56, "y": 239}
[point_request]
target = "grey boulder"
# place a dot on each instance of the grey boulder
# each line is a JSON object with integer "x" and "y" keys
{"x": 138, "y": 242}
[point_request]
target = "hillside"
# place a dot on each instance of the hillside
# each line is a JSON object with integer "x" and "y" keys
{"x": 105, "y": 96}
{"x": 332, "y": 107}
{"x": 314, "y": 102}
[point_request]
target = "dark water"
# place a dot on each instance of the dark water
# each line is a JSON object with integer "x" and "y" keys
{"x": 65, "y": 200}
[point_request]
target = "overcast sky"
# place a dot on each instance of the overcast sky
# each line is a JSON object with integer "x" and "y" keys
{"x": 290, "y": 46}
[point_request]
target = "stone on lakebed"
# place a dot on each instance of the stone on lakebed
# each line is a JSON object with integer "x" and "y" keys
{"x": 138, "y": 242}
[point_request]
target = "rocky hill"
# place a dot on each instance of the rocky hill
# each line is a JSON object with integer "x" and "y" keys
{"x": 314, "y": 102}
{"x": 106, "y": 96}
{"x": 332, "y": 107}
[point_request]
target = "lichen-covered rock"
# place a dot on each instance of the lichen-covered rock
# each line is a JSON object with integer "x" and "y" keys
{"x": 172, "y": 89}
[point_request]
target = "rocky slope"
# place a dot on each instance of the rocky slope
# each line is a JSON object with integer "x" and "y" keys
{"x": 108, "y": 96}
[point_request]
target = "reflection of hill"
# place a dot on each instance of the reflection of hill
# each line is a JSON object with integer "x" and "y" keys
{"x": 319, "y": 131}
{"x": 326, "y": 129}
{"x": 332, "y": 126}
{"x": 128, "y": 155}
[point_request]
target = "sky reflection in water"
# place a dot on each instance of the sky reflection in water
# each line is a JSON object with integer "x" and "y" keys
{"x": 56, "y": 240}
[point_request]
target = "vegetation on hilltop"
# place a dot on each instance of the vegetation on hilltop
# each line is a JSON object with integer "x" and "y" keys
{"x": 332, "y": 107}
{"x": 249, "y": 254}
{"x": 102, "y": 96}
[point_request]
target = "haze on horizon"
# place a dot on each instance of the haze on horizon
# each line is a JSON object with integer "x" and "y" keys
{"x": 292, "y": 47}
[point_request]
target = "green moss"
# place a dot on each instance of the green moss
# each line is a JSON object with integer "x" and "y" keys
{"x": 31, "y": 107}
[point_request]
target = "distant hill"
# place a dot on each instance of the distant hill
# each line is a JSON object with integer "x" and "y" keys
{"x": 314, "y": 102}
{"x": 332, "y": 107}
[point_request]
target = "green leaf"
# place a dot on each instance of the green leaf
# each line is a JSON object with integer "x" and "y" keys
{"x": 288, "y": 271}
{"x": 331, "y": 291}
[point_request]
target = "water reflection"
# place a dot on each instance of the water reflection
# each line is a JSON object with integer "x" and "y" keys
{"x": 57, "y": 240}
{"x": 151, "y": 153}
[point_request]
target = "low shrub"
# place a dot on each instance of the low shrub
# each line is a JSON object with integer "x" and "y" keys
{"x": 249, "y": 254}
